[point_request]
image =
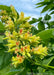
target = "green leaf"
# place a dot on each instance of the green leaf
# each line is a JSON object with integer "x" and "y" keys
{"x": 34, "y": 30}
{"x": 52, "y": 9}
{"x": 46, "y": 35}
{"x": 52, "y": 13}
{"x": 33, "y": 21}
{"x": 51, "y": 23}
{"x": 46, "y": 0}
{"x": 24, "y": 72}
{"x": 4, "y": 7}
{"x": 2, "y": 27}
{"x": 4, "y": 70}
{"x": 51, "y": 72}
{"x": 1, "y": 38}
{"x": 42, "y": 3}
{"x": 41, "y": 72}
{"x": 45, "y": 66}
{"x": 40, "y": 19}
{"x": 47, "y": 61}
{"x": 47, "y": 17}
{"x": 13, "y": 72}
{"x": 48, "y": 25}
{"x": 40, "y": 6}
{"x": 47, "y": 7}
{"x": 5, "y": 57}
{"x": 41, "y": 26}
{"x": 1, "y": 61}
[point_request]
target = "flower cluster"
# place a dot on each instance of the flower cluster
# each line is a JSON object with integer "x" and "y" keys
{"x": 20, "y": 40}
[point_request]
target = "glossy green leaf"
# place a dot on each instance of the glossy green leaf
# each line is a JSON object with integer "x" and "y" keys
{"x": 47, "y": 17}
{"x": 52, "y": 12}
{"x": 45, "y": 62}
{"x": 41, "y": 26}
{"x": 46, "y": 0}
{"x": 48, "y": 60}
{"x": 40, "y": 19}
{"x": 40, "y": 6}
{"x": 13, "y": 72}
{"x": 33, "y": 21}
{"x": 52, "y": 8}
{"x": 24, "y": 72}
{"x": 4, "y": 70}
{"x": 51, "y": 23}
{"x": 47, "y": 7}
{"x": 42, "y": 3}
{"x": 34, "y": 30}
{"x": 5, "y": 57}
{"x": 49, "y": 72}
{"x": 46, "y": 35}
{"x": 41, "y": 72}
{"x": 4, "y": 7}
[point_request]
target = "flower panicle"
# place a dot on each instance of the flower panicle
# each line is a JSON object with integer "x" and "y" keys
{"x": 20, "y": 41}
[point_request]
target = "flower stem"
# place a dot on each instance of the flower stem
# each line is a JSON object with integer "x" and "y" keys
{"x": 31, "y": 72}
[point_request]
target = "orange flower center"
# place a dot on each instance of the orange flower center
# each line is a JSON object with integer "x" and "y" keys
{"x": 22, "y": 49}
{"x": 21, "y": 31}
{"x": 17, "y": 43}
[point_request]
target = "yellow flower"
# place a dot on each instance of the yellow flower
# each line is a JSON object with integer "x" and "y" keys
{"x": 8, "y": 35}
{"x": 40, "y": 50}
{"x": 10, "y": 45}
{"x": 12, "y": 49}
{"x": 14, "y": 11}
{"x": 22, "y": 51}
{"x": 10, "y": 24}
{"x": 14, "y": 34}
{"x": 28, "y": 54}
{"x": 12, "y": 41}
{"x": 26, "y": 18}
{"x": 14, "y": 58}
{"x": 27, "y": 25}
{"x": 26, "y": 35}
{"x": 28, "y": 48}
{"x": 4, "y": 12}
{"x": 17, "y": 60}
{"x": 4, "y": 18}
{"x": 21, "y": 17}
{"x": 34, "y": 39}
